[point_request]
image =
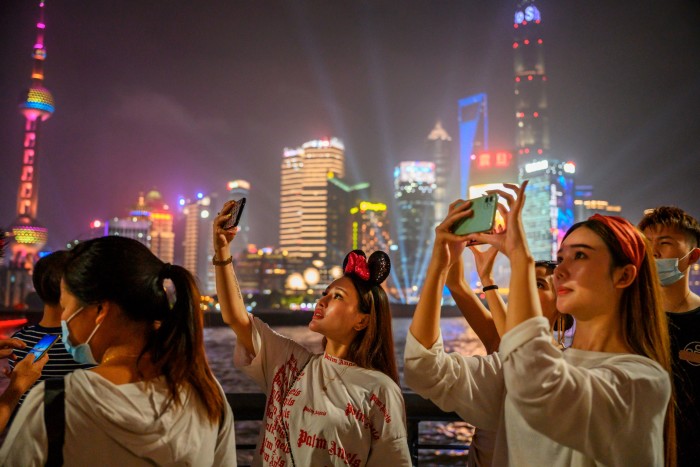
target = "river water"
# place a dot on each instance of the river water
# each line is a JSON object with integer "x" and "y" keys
{"x": 457, "y": 336}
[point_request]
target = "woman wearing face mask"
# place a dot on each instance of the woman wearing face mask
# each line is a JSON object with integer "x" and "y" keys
{"x": 342, "y": 407}
{"x": 152, "y": 399}
{"x": 602, "y": 401}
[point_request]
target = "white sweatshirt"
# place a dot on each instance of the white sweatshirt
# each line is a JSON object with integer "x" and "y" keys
{"x": 547, "y": 406}
{"x": 333, "y": 414}
{"x": 118, "y": 425}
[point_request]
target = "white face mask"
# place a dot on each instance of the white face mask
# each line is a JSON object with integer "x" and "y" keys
{"x": 667, "y": 270}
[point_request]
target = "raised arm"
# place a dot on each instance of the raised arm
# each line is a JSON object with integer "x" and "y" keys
{"x": 448, "y": 247}
{"x": 484, "y": 267}
{"x": 476, "y": 314}
{"x": 233, "y": 309}
{"x": 523, "y": 301}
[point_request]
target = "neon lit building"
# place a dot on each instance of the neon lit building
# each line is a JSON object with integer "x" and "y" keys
{"x": 549, "y": 210}
{"x": 414, "y": 189}
{"x": 585, "y": 205}
{"x": 197, "y": 242}
{"x": 161, "y": 236}
{"x": 473, "y": 137}
{"x": 341, "y": 198}
{"x": 37, "y": 106}
{"x": 447, "y": 189}
{"x": 304, "y": 196}
{"x": 370, "y": 227}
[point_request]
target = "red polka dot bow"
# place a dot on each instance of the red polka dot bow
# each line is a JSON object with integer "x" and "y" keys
{"x": 357, "y": 265}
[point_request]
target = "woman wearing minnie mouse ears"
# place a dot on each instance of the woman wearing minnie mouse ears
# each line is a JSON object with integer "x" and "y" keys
{"x": 342, "y": 407}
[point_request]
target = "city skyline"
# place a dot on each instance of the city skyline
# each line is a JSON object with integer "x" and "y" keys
{"x": 188, "y": 98}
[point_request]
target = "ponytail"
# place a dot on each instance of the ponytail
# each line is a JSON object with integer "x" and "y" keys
{"x": 177, "y": 345}
{"x": 127, "y": 273}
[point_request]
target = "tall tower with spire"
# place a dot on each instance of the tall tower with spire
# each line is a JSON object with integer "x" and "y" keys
{"x": 532, "y": 132}
{"x": 36, "y": 105}
{"x": 446, "y": 178}
{"x": 549, "y": 210}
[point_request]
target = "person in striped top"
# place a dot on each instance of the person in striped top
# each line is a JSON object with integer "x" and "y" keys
{"x": 47, "y": 283}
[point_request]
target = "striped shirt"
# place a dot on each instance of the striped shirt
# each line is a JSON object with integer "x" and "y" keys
{"x": 60, "y": 361}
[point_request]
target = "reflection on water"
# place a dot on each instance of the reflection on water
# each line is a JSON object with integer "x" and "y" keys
{"x": 457, "y": 336}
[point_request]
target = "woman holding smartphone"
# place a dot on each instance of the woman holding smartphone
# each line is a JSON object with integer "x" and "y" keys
{"x": 152, "y": 398}
{"x": 342, "y": 407}
{"x": 602, "y": 401}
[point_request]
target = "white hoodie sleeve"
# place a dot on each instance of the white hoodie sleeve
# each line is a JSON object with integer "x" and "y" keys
{"x": 26, "y": 441}
{"x": 610, "y": 407}
{"x": 470, "y": 386}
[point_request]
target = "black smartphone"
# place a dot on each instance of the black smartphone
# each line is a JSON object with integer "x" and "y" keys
{"x": 485, "y": 209}
{"x": 44, "y": 344}
{"x": 235, "y": 212}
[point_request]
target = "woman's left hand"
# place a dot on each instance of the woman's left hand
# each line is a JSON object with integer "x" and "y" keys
{"x": 512, "y": 239}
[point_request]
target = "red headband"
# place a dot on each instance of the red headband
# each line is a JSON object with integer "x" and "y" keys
{"x": 357, "y": 264}
{"x": 629, "y": 237}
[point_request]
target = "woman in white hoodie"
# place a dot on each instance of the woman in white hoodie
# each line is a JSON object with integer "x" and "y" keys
{"x": 152, "y": 399}
{"x": 602, "y": 401}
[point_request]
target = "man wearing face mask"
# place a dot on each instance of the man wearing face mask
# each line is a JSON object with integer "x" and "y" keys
{"x": 675, "y": 237}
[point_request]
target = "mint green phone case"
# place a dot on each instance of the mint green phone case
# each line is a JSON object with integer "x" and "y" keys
{"x": 484, "y": 215}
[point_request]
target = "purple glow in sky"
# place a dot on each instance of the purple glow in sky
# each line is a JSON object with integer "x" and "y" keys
{"x": 185, "y": 96}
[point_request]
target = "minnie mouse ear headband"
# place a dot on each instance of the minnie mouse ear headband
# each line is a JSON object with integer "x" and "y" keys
{"x": 373, "y": 271}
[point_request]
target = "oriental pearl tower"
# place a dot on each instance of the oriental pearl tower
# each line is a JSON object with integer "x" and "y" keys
{"x": 36, "y": 105}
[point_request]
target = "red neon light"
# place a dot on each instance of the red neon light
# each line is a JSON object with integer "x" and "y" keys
{"x": 13, "y": 323}
{"x": 515, "y": 25}
{"x": 539, "y": 151}
{"x": 485, "y": 159}
{"x": 515, "y": 45}
{"x": 539, "y": 41}
{"x": 536, "y": 114}
{"x": 527, "y": 150}
{"x": 537, "y": 21}
{"x": 517, "y": 79}
{"x": 526, "y": 41}
{"x": 529, "y": 78}
{"x": 544, "y": 78}
{"x": 503, "y": 159}
{"x": 524, "y": 23}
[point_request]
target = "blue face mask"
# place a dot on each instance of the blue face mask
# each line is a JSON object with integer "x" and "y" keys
{"x": 81, "y": 353}
{"x": 667, "y": 270}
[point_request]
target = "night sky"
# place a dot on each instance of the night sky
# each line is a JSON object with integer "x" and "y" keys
{"x": 184, "y": 96}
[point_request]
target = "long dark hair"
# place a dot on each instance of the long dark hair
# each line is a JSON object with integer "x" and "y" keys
{"x": 373, "y": 347}
{"x": 125, "y": 272}
{"x": 641, "y": 316}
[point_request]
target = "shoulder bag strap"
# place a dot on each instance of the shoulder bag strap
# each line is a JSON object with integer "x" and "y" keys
{"x": 55, "y": 420}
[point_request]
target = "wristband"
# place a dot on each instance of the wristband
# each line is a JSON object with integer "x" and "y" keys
{"x": 217, "y": 262}
{"x": 490, "y": 287}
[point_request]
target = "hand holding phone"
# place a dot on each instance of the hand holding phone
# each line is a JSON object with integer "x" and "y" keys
{"x": 483, "y": 219}
{"x": 43, "y": 346}
{"x": 236, "y": 212}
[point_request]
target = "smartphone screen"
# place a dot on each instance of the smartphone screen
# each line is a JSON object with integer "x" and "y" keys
{"x": 44, "y": 345}
{"x": 236, "y": 213}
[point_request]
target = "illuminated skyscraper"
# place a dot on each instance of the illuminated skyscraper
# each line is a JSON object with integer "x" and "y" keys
{"x": 37, "y": 105}
{"x": 304, "y": 196}
{"x": 414, "y": 188}
{"x": 197, "y": 243}
{"x": 161, "y": 236}
{"x": 549, "y": 210}
{"x": 370, "y": 227}
{"x": 341, "y": 198}
{"x": 446, "y": 177}
{"x": 473, "y": 137}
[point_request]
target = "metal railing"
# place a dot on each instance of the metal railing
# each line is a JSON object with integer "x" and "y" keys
{"x": 251, "y": 407}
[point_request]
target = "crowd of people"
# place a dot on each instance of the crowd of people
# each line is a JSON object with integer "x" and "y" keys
{"x": 593, "y": 361}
